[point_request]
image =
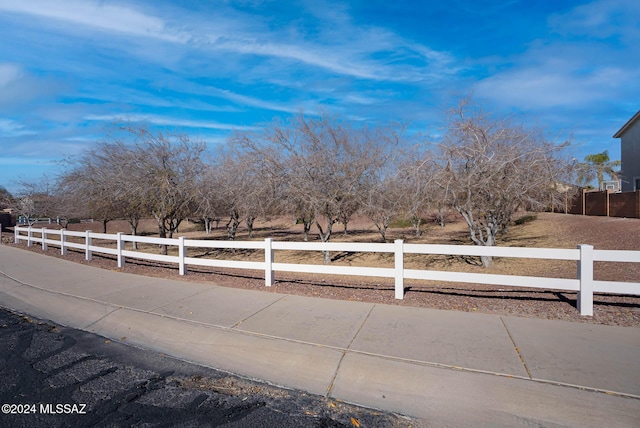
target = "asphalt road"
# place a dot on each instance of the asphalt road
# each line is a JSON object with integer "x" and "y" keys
{"x": 52, "y": 376}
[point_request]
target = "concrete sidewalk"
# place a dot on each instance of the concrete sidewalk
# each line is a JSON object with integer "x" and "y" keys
{"x": 448, "y": 368}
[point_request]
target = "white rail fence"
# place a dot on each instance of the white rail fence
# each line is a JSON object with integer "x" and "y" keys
{"x": 584, "y": 255}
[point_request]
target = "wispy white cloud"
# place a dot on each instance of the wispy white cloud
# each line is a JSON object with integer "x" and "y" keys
{"x": 600, "y": 19}
{"x": 10, "y": 128}
{"x": 190, "y": 97}
{"x": 49, "y": 149}
{"x": 166, "y": 121}
{"x": 553, "y": 83}
{"x": 357, "y": 51}
{"x": 244, "y": 100}
{"x": 18, "y": 88}
{"x": 9, "y": 73}
{"x": 573, "y": 72}
{"x": 354, "y": 51}
{"x": 328, "y": 60}
{"x": 360, "y": 99}
{"x": 98, "y": 15}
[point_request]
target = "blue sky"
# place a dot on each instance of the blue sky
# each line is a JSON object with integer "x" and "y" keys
{"x": 70, "y": 68}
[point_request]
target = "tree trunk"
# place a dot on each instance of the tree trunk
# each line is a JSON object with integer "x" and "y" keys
{"x": 232, "y": 226}
{"x": 487, "y": 261}
{"x": 307, "y": 221}
{"x": 481, "y": 235}
{"x": 345, "y": 223}
{"x": 162, "y": 233}
{"x": 441, "y": 219}
{"x": 417, "y": 222}
{"x": 173, "y": 224}
{"x": 325, "y": 235}
{"x": 382, "y": 229}
{"x": 133, "y": 224}
{"x": 207, "y": 224}
{"x": 249, "y": 220}
{"x": 307, "y": 227}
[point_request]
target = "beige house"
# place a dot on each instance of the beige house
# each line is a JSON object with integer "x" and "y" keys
{"x": 630, "y": 153}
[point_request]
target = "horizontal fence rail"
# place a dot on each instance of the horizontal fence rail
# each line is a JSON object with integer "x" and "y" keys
{"x": 584, "y": 256}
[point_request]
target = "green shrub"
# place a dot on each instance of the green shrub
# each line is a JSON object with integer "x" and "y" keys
{"x": 526, "y": 219}
{"x": 401, "y": 223}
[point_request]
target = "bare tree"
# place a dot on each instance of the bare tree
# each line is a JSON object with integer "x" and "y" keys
{"x": 66, "y": 207}
{"x": 418, "y": 192}
{"x": 166, "y": 174}
{"x": 490, "y": 167}
{"x": 264, "y": 180}
{"x": 227, "y": 178}
{"x": 325, "y": 164}
{"x": 382, "y": 202}
{"x": 102, "y": 183}
{"x": 97, "y": 182}
{"x": 210, "y": 204}
{"x": 303, "y": 212}
{"x": 27, "y": 209}
{"x": 238, "y": 192}
{"x": 35, "y": 199}
{"x": 128, "y": 193}
{"x": 348, "y": 209}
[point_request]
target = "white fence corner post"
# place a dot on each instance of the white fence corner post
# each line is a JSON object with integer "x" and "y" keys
{"x": 29, "y": 235}
{"x": 87, "y": 242}
{"x": 399, "y": 268}
{"x": 119, "y": 245}
{"x": 43, "y": 235}
{"x": 63, "y": 239}
{"x": 182, "y": 253}
{"x": 585, "y": 276}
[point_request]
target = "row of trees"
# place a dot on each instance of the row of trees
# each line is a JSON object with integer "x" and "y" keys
{"x": 321, "y": 171}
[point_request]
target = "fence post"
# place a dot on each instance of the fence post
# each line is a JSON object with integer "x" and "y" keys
{"x": 119, "y": 245}
{"x": 87, "y": 242}
{"x": 585, "y": 276}
{"x": 399, "y": 267}
{"x": 63, "y": 239}
{"x": 29, "y": 236}
{"x": 44, "y": 238}
{"x": 268, "y": 262}
{"x": 16, "y": 232}
{"x": 182, "y": 253}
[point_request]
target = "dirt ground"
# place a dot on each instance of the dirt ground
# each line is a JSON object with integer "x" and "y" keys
{"x": 548, "y": 230}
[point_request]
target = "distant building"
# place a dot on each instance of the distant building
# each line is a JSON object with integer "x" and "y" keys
{"x": 611, "y": 185}
{"x": 630, "y": 153}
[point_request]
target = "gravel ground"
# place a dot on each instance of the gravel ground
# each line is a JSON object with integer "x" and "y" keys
{"x": 549, "y": 230}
